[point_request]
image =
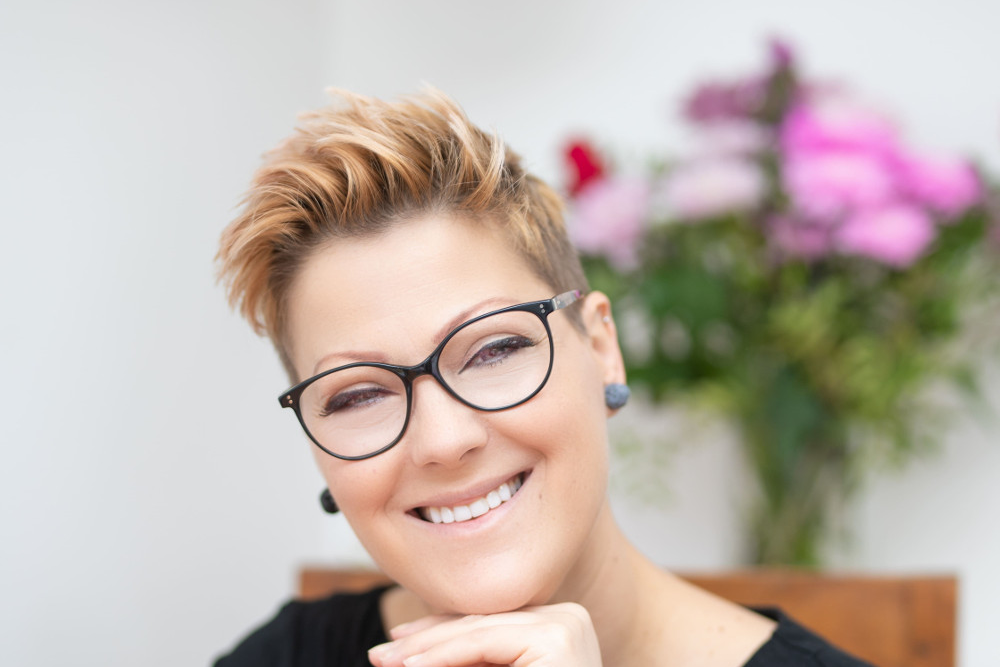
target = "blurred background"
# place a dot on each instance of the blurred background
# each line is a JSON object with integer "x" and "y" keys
{"x": 154, "y": 501}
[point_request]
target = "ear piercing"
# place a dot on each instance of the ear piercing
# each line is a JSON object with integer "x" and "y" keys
{"x": 328, "y": 503}
{"x": 616, "y": 395}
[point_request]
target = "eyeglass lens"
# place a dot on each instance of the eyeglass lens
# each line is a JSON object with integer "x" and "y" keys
{"x": 491, "y": 363}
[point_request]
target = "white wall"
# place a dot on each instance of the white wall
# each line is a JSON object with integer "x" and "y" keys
{"x": 154, "y": 502}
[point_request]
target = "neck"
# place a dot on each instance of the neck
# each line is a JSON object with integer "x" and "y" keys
{"x": 620, "y": 589}
{"x": 644, "y": 615}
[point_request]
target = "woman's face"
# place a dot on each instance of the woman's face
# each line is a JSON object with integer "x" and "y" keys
{"x": 392, "y": 298}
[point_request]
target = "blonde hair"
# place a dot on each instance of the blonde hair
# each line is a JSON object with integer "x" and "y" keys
{"x": 361, "y": 165}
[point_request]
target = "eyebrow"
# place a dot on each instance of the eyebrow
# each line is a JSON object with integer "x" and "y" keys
{"x": 463, "y": 316}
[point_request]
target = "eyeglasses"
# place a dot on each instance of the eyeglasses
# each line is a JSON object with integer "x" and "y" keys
{"x": 493, "y": 362}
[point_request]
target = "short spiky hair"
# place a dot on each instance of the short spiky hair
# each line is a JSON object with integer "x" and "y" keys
{"x": 361, "y": 165}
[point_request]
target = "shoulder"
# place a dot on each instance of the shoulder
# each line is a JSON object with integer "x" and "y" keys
{"x": 792, "y": 645}
{"x": 337, "y": 630}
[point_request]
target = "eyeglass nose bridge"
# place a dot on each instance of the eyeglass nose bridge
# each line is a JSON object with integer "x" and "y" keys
{"x": 429, "y": 366}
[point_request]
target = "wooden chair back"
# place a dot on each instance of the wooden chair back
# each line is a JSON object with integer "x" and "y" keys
{"x": 890, "y": 621}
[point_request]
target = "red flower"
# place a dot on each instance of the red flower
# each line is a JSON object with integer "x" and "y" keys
{"x": 585, "y": 165}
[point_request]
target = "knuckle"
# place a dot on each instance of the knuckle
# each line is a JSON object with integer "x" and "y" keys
{"x": 577, "y": 611}
{"x": 561, "y": 636}
{"x": 472, "y": 619}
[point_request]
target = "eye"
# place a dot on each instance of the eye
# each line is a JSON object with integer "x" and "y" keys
{"x": 497, "y": 351}
{"x": 355, "y": 399}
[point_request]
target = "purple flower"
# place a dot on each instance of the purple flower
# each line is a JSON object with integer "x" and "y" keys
{"x": 711, "y": 187}
{"x": 800, "y": 239}
{"x": 896, "y": 234}
{"x": 844, "y": 162}
{"x": 838, "y": 157}
{"x": 782, "y": 54}
{"x": 725, "y": 101}
{"x": 825, "y": 185}
{"x": 607, "y": 218}
{"x": 948, "y": 186}
{"x": 831, "y": 121}
{"x": 732, "y": 137}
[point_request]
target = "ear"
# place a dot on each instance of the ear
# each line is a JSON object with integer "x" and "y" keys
{"x": 602, "y": 336}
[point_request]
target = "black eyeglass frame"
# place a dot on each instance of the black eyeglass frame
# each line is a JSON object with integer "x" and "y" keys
{"x": 429, "y": 366}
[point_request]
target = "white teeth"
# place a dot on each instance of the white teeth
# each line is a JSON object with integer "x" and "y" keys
{"x": 476, "y": 508}
{"x": 479, "y": 507}
{"x": 493, "y": 500}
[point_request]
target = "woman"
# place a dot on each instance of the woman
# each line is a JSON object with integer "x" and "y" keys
{"x": 455, "y": 376}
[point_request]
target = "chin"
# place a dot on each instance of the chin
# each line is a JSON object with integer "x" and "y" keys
{"x": 486, "y": 599}
{"x": 490, "y": 589}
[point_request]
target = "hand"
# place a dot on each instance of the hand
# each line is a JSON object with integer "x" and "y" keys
{"x": 548, "y": 636}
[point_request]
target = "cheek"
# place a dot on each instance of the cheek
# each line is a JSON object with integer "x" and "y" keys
{"x": 362, "y": 489}
{"x": 568, "y": 419}
{"x": 577, "y": 393}
{"x": 579, "y": 399}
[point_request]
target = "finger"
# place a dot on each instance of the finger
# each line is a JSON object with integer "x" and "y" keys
{"x": 554, "y": 626}
{"x": 494, "y": 645}
{"x": 546, "y": 645}
{"x": 417, "y": 637}
{"x": 550, "y": 636}
{"x": 421, "y": 635}
{"x": 407, "y": 629}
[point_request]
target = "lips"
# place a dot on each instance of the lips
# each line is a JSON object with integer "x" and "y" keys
{"x": 476, "y": 508}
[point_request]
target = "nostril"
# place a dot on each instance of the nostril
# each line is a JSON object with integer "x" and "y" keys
{"x": 442, "y": 429}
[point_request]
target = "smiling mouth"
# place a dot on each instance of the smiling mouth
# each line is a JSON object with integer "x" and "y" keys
{"x": 475, "y": 509}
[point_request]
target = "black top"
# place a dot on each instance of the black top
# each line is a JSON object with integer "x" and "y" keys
{"x": 339, "y": 630}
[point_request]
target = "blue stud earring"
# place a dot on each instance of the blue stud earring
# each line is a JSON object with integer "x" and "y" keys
{"x": 616, "y": 395}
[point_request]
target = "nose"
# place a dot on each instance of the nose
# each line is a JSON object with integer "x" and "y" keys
{"x": 442, "y": 430}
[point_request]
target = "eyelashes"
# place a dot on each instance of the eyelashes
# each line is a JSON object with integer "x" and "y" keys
{"x": 355, "y": 398}
{"x": 496, "y": 352}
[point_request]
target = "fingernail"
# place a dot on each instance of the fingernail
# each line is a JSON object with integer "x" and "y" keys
{"x": 414, "y": 660}
{"x": 399, "y": 628}
{"x": 380, "y": 652}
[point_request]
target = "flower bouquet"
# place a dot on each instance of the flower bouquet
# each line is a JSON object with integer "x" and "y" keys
{"x": 803, "y": 271}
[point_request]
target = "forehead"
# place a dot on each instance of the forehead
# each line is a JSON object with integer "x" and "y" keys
{"x": 388, "y": 295}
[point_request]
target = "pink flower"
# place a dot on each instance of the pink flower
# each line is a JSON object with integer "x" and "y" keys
{"x": 607, "y": 218}
{"x": 897, "y": 234}
{"x": 841, "y": 157}
{"x": 834, "y": 122}
{"x": 825, "y": 185}
{"x": 726, "y": 100}
{"x": 948, "y": 186}
{"x": 712, "y": 187}
{"x": 732, "y": 137}
{"x": 838, "y": 157}
{"x": 797, "y": 238}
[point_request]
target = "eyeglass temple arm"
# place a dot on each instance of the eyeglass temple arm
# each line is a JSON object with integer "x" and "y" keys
{"x": 565, "y": 299}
